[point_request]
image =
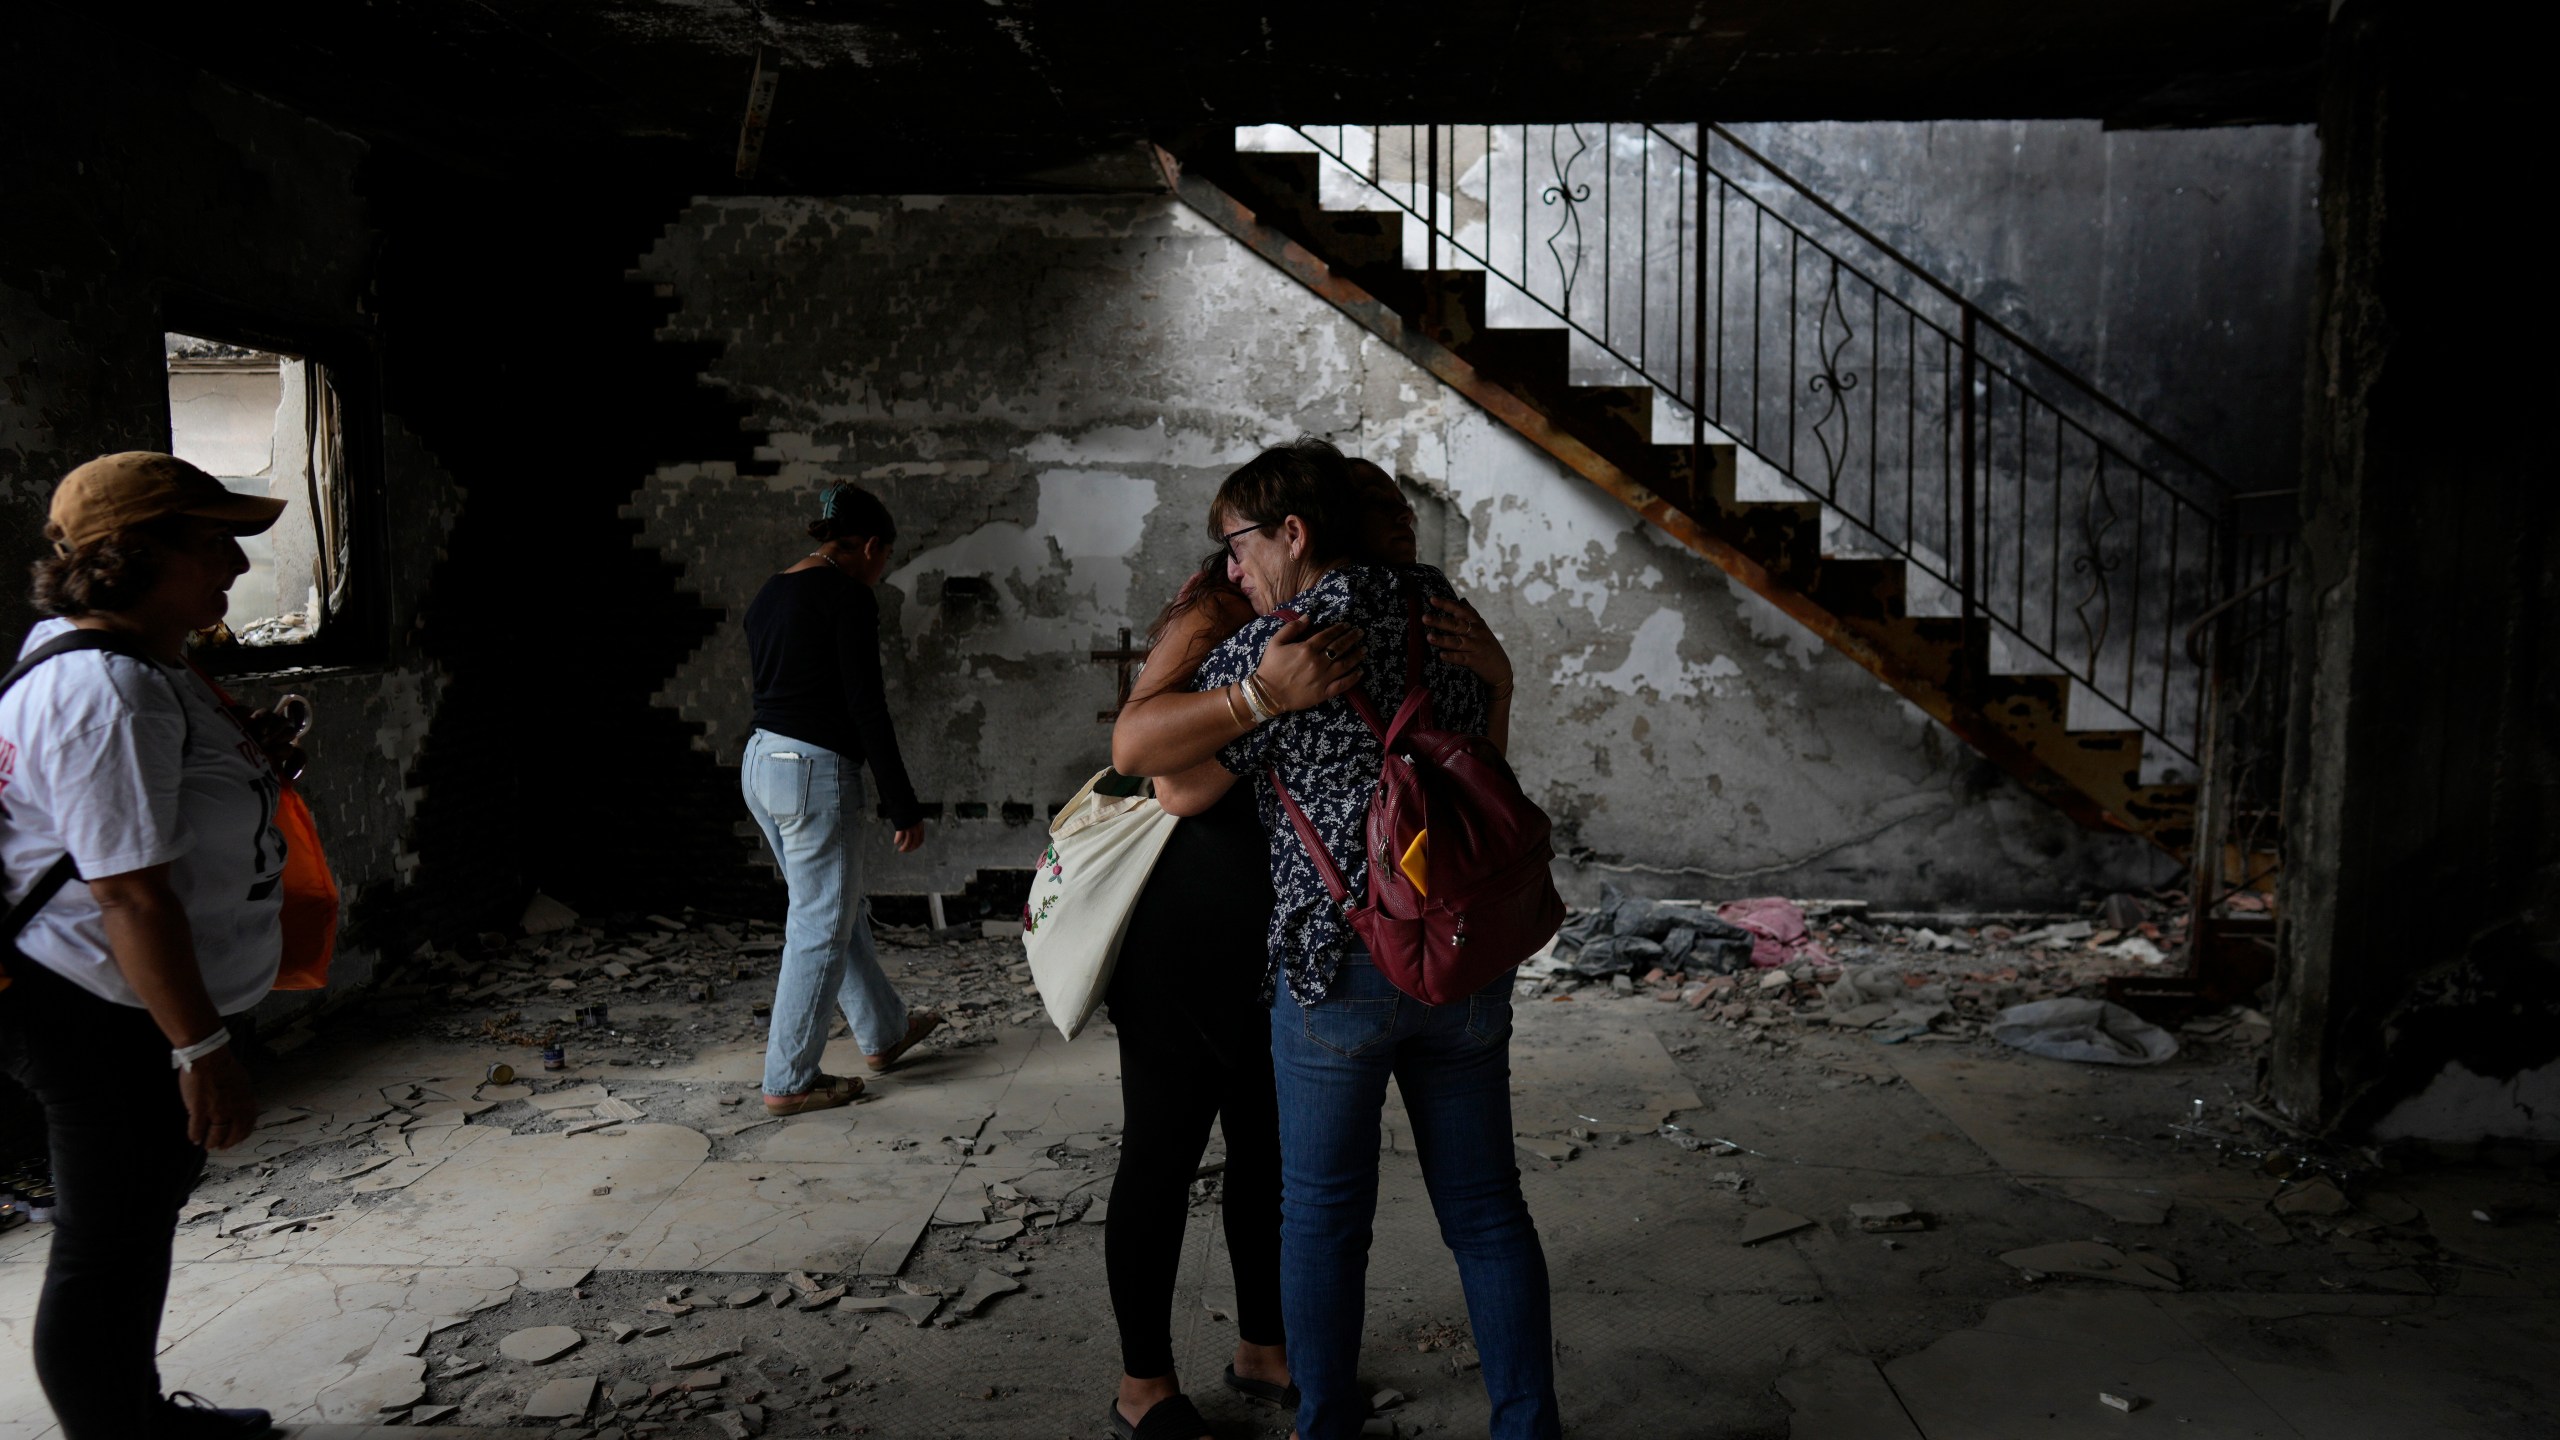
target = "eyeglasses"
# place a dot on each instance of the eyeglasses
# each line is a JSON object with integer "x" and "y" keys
{"x": 1229, "y": 539}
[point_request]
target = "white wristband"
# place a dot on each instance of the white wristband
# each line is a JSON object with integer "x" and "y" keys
{"x": 186, "y": 1056}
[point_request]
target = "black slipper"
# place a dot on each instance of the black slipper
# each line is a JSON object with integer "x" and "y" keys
{"x": 1284, "y": 1396}
{"x": 1172, "y": 1418}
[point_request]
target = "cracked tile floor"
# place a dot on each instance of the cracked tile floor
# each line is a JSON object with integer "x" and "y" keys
{"x": 493, "y": 1209}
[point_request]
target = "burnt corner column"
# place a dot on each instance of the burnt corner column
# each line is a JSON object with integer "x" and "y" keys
{"x": 2419, "y": 994}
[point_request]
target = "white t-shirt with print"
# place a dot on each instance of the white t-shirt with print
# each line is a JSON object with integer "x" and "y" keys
{"x": 91, "y": 761}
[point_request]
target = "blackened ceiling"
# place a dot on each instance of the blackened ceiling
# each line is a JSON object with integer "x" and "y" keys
{"x": 970, "y": 94}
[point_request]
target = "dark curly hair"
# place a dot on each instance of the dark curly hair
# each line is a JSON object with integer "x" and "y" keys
{"x": 108, "y": 574}
{"x": 849, "y": 512}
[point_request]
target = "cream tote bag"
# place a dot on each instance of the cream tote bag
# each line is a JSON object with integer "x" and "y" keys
{"x": 1102, "y": 847}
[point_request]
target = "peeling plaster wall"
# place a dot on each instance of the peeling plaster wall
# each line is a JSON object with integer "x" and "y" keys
{"x": 1047, "y": 392}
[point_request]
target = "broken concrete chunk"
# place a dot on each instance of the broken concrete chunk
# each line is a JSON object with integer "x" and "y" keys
{"x": 433, "y": 1414}
{"x": 2126, "y": 1403}
{"x": 983, "y": 1287}
{"x": 1771, "y": 1223}
{"x": 917, "y": 1308}
{"x": 741, "y": 1299}
{"x": 545, "y": 916}
{"x": 701, "y": 1358}
{"x": 565, "y": 1277}
{"x": 540, "y": 1345}
{"x": 1386, "y": 1399}
{"x": 563, "y": 1399}
{"x": 2090, "y": 1260}
{"x": 618, "y": 1109}
{"x": 668, "y": 1307}
{"x": 998, "y": 1233}
{"x": 576, "y": 1096}
{"x": 1886, "y": 1216}
{"x": 732, "y": 1425}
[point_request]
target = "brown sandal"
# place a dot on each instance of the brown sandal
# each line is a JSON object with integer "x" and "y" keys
{"x": 919, "y": 1025}
{"x": 827, "y": 1093}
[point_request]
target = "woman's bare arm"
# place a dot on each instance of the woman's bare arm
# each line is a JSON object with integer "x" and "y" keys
{"x": 154, "y": 949}
{"x": 1195, "y": 790}
{"x": 1167, "y": 729}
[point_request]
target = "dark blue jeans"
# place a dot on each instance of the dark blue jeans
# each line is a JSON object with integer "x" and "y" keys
{"x": 1453, "y": 1065}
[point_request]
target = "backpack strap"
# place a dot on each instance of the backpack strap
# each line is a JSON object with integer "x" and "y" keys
{"x": 1326, "y": 870}
{"x": 62, "y": 872}
{"x": 1417, "y": 701}
{"x": 1417, "y": 696}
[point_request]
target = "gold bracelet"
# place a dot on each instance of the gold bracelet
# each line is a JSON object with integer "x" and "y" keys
{"x": 1228, "y": 692}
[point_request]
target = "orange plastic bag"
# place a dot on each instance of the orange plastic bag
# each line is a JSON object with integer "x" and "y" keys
{"x": 310, "y": 891}
{"x": 310, "y": 898}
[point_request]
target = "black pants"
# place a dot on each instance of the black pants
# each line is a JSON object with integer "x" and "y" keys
{"x": 122, "y": 1167}
{"x": 1180, "y": 1069}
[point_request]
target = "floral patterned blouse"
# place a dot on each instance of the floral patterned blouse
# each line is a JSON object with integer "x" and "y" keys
{"x": 1330, "y": 759}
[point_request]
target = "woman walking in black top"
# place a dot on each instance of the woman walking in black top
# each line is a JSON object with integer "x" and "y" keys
{"x": 813, "y": 633}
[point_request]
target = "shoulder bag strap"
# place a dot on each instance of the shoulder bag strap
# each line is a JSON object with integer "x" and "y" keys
{"x": 62, "y": 872}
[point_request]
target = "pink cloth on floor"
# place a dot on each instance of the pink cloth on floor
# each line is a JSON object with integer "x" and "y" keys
{"x": 1778, "y": 933}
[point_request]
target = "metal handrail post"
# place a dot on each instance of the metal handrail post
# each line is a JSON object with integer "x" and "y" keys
{"x": 1699, "y": 472}
{"x": 1966, "y": 588}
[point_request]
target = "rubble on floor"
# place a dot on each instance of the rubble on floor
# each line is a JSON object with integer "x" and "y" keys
{"x": 1769, "y": 968}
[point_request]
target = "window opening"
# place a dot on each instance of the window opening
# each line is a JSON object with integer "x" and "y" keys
{"x": 269, "y": 423}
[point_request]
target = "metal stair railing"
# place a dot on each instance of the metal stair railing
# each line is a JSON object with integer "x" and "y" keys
{"x": 2017, "y": 493}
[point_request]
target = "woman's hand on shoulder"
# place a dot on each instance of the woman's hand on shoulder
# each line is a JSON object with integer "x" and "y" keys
{"x": 1303, "y": 667}
{"x": 1464, "y": 640}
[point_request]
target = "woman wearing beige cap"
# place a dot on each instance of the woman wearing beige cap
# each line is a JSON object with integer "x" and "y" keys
{"x": 143, "y": 868}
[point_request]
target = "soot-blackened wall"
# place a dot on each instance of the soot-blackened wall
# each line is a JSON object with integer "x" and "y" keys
{"x": 1047, "y": 393}
{"x": 145, "y": 197}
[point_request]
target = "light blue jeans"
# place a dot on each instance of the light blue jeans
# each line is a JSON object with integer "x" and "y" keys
{"x": 809, "y": 803}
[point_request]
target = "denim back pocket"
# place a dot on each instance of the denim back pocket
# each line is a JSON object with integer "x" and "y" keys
{"x": 782, "y": 783}
{"x": 1358, "y": 1015}
{"x": 1489, "y": 1013}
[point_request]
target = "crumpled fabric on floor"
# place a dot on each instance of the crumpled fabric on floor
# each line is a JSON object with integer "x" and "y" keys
{"x": 2097, "y": 1032}
{"x": 1779, "y": 934}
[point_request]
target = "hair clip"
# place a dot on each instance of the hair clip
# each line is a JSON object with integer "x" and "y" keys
{"x": 827, "y": 501}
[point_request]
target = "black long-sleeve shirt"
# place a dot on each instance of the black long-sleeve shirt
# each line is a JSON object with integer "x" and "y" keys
{"x": 813, "y": 637}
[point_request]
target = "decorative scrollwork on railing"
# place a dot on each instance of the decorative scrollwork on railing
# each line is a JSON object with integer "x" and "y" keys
{"x": 1833, "y": 384}
{"x": 2098, "y": 515}
{"x": 1572, "y": 196}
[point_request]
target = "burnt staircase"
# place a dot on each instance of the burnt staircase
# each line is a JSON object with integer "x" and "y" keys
{"x": 1687, "y": 327}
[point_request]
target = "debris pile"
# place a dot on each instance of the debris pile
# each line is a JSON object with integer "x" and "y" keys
{"x": 1765, "y": 965}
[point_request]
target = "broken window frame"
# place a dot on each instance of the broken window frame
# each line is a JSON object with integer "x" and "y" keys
{"x": 351, "y": 563}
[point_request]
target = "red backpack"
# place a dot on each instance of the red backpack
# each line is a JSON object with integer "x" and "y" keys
{"x": 1487, "y": 901}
